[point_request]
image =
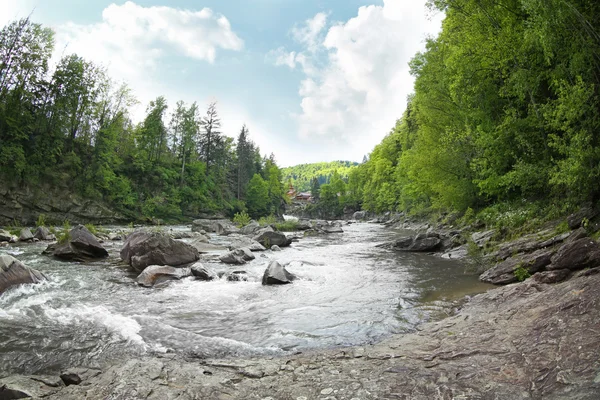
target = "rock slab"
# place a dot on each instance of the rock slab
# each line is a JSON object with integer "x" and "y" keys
{"x": 13, "y": 272}
{"x": 142, "y": 249}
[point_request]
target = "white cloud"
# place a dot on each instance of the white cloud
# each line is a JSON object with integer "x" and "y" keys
{"x": 350, "y": 101}
{"x": 14, "y": 10}
{"x": 281, "y": 57}
{"x": 310, "y": 33}
{"x": 131, "y": 40}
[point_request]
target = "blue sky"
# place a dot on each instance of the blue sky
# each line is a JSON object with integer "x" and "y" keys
{"x": 314, "y": 80}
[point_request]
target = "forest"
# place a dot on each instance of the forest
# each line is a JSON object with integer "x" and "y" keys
{"x": 70, "y": 126}
{"x": 504, "y": 121}
{"x": 302, "y": 176}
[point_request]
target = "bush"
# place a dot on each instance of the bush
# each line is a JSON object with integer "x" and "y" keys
{"x": 287, "y": 226}
{"x": 241, "y": 219}
{"x": 65, "y": 235}
{"x": 93, "y": 230}
{"x": 270, "y": 220}
{"x": 521, "y": 273}
{"x": 41, "y": 220}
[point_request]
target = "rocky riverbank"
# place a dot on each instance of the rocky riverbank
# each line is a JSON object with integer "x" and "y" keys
{"x": 522, "y": 341}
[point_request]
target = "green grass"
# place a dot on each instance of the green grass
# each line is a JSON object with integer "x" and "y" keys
{"x": 65, "y": 235}
{"x": 241, "y": 219}
{"x": 287, "y": 226}
{"x": 270, "y": 220}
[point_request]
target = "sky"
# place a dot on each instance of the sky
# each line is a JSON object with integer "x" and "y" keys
{"x": 313, "y": 80}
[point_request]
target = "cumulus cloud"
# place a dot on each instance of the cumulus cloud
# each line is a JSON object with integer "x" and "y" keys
{"x": 353, "y": 97}
{"x": 310, "y": 32}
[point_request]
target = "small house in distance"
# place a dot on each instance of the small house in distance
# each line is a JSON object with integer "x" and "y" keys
{"x": 304, "y": 196}
{"x": 291, "y": 193}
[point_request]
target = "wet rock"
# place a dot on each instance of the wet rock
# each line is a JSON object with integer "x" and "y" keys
{"x": 245, "y": 242}
{"x": 419, "y": 243}
{"x": 70, "y": 378}
{"x": 82, "y": 245}
{"x": 237, "y": 256}
{"x": 203, "y": 273}
{"x": 43, "y": 233}
{"x": 270, "y": 238}
{"x": 142, "y": 249}
{"x": 504, "y": 272}
{"x": 204, "y": 247}
{"x": 13, "y": 272}
{"x": 304, "y": 225}
{"x": 114, "y": 236}
{"x": 275, "y": 248}
{"x": 359, "y": 215}
{"x": 250, "y": 229}
{"x": 578, "y": 254}
{"x": 556, "y": 276}
{"x": 25, "y": 387}
{"x": 25, "y": 235}
{"x": 276, "y": 274}
{"x": 237, "y": 276}
{"x": 155, "y": 274}
{"x": 225, "y": 228}
{"x": 456, "y": 253}
{"x": 530, "y": 243}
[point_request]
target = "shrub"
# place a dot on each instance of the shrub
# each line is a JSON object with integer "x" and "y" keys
{"x": 287, "y": 226}
{"x": 521, "y": 273}
{"x": 93, "y": 230}
{"x": 270, "y": 220}
{"x": 41, "y": 220}
{"x": 241, "y": 219}
{"x": 65, "y": 235}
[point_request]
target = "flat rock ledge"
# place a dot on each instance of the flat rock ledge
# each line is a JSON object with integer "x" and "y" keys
{"x": 522, "y": 341}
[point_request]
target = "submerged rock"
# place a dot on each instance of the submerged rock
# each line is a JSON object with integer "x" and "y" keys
{"x": 203, "y": 273}
{"x": 237, "y": 276}
{"x": 156, "y": 274}
{"x": 82, "y": 245}
{"x": 142, "y": 249}
{"x": 276, "y": 274}
{"x": 13, "y": 272}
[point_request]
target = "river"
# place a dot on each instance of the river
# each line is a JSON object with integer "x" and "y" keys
{"x": 349, "y": 292}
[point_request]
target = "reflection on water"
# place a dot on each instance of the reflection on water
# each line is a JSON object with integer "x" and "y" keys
{"x": 349, "y": 292}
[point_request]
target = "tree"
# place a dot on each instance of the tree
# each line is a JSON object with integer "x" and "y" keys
{"x": 210, "y": 137}
{"x": 258, "y": 197}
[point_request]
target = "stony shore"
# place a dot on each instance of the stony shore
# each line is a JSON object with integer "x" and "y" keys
{"x": 522, "y": 341}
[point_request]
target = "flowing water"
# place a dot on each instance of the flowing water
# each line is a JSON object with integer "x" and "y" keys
{"x": 349, "y": 292}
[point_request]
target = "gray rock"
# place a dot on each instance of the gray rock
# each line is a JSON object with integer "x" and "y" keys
{"x": 232, "y": 258}
{"x": 203, "y": 273}
{"x": 225, "y": 228}
{"x": 457, "y": 253}
{"x": 5, "y": 236}
{"x": 155, "y": 274}
{"x": 204, "y": 247}
{"x": 275, "y": 248}
{"x": 578, "y": 254}
{"x": 114, "y": 236}
{"x": 556, "y": 276}
{"x": 276, "y": 274}
{"x": 270, "y": 238}
{"x": 13, "y": 272}
{"x": 242, "y": 241}
{"x": 504, "y": 272}
{"x": 586, "y": 213}
{"x": 250, "y": 229}
{"x": 25, "y": 235}
{"x": 142, "y": 249}
{"x": 420, "y": 243}
{"x": 481, "y": 238}
{"x": 81, "y": 246}
{"x": 43, "y": 233}
{"x": 359, "y": 215}
{"x": 25, "y": 387}
{"x": 304, "y": 225}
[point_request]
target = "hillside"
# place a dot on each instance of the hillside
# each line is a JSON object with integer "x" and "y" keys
{"x": 301, "y": 175}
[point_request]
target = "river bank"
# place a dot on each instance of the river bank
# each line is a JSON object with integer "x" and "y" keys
{"x": 526, "y": 340}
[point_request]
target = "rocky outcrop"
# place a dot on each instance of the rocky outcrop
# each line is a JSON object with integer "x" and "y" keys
{"x": 25, "y": 204}
{"x": 424, "y": 242}
{"x": 530, "y": 243}
{"x": 585, "y": 214}
{"x": 276, "y": 274}
{"x": 142, "y": 249}
{"x": 578, "y": 254}
{"x": 13, "y": 273}
{"x": 269, "y": 238}
{"x": 81, "y": 245}
{"x": 504, "y": 272}
{"x": 156, "y": 274}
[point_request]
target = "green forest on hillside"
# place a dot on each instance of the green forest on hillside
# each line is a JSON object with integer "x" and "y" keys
{"x": 301, "y": 176}
{"x": 504, "y": 118}
{"x": 70, "y": 126}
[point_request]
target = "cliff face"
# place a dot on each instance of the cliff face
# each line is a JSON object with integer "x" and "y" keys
{"x": 23, "y": 205}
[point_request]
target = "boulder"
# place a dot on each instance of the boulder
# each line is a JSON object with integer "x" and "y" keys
{"x": 456, "y": 253}
{"x": 5, "y": 236}
{"x": 419, "y": 243}
{"x": 43, "y": 233}
{"x": 276, "y": 274}
{"x": 225, "y": 228}
{"x": 202, "y": 225}
{"x": 203, "y": 273}
{"x": 304, "y": 225}
{"x": 556, "y": 276}
{"x": 270, "y": 238}
{"x": 82, "y": 245}
{"x": 584, "y": 214}
{"x": 481, "y": 238}
{"x": 25, "y": 235}
{"x": 504, "y": 272}
{"x": 359, "y": 215}
{"x": 578, "y": 254}
{"x": 155, "y": 274}
{"x": 237, "y": 276}
{"x": 335, "y": 227}
{"x": 275, "y": 248}
{"x": 246, "y": 242}
{"x": 250, "y": 229}
{"x": 238, "y": 256}
{"x": 115, "y": 236}
{"x": 13, "y": 272}
{"x": 28, "y": 387}
{"x": 142, "y": 249}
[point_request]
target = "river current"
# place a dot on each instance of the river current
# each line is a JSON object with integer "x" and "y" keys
{"x": 348, "y": 292}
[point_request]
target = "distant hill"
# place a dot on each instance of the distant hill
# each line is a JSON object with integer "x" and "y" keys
{"x": 301, "y": 175}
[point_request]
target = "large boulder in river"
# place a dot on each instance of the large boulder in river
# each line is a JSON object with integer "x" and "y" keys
{"x": 237, "y": 256}
{"x": 25, "y": 235}
{"x": 81, "y": 245}
{"x": 5, "y": 236}
{"x": 203, "y": 273}
{"x": 250, "y": 229}
{"x": 276, "y": 274}
{"x": 424, "y": 242}
{"x": 155, "y": 274}
{"x": 142, "y": 249}
{"x": 245, "y": 242}
{"x": 270, "y": 238}
{"x": 13, "y": 272}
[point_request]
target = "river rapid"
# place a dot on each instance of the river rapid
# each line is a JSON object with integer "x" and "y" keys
{"x": 348, "y": 292}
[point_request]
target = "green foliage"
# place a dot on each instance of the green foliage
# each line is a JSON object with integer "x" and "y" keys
{"x": 287, "y": 226}
{"x": 304, "y": 177}
{"x": 241, "y": 219}
{"x": 258, "y": 197}
{"x": 521, "y": 273}
{"x": 41, "y": 220}
{"x": 92, "y": 228}
{"x": 65, "y": 234}
{"x": 268, "y": 220}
